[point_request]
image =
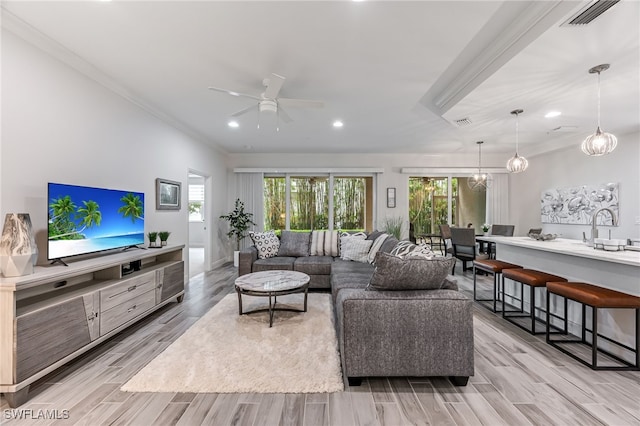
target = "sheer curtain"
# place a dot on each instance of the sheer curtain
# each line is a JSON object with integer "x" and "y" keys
{"x": 498, "y": 200}
{"x": 249, "y": 189}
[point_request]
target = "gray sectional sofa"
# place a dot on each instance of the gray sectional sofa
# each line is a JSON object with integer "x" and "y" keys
{"x": 400, "y": 330}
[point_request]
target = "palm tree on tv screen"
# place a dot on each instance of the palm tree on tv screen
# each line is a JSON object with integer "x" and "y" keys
{"x": 132, "y": 207}
{"x": 63, "y": 213}
{"x": 89, "y": 214}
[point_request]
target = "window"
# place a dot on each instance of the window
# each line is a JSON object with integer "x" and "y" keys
{"x": 196, "y": 202}
{"x": 298, "y": 202}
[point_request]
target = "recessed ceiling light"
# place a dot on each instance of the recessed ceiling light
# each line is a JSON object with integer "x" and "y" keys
{"x": 338, "y": 123}
{"x": 552, "y": 114}
{"x": 233, "y": 124}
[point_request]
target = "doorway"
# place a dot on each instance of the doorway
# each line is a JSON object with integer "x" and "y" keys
{"x": 199, "y": 208}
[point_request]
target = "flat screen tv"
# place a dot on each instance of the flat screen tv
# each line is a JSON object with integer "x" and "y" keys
{"x": 85, "y": 220}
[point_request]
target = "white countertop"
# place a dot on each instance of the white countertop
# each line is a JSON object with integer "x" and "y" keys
{"x": 570, "y": 248}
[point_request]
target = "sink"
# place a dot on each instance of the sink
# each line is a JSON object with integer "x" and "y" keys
{"x": 609, "y": 244}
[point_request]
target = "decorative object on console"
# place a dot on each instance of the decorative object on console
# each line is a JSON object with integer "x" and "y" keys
{"x": 479, "y": 181}
{"x": 517, "y": 164}
{"x": 164, "y": 236}
{"x": 153, "y": 236}
{"x": 599, "y": 143}
{"x": 575, "y": 205}
{"x": 18, "y": 250}
{"x": 168, "y": 194}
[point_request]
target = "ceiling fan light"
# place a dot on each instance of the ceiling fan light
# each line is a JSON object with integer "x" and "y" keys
{"x": 599, "y": 143}
{"x": 517, "y": 164}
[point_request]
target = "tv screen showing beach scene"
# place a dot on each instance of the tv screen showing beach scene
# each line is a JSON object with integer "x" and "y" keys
{"x": 86, "y": 220}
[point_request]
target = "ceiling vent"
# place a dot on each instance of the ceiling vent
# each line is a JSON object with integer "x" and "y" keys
{"x": 463, "y": 122}
{"x": 586, "y": 16}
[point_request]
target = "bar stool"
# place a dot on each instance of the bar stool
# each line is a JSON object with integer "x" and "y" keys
{"x": 493, "y": 267}
{"x": 597, "y": 298}
{"x": 534, "y": 279}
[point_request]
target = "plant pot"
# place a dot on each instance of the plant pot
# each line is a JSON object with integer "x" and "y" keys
{"x": 236, "y": 258}
{"x": 163, "y": 243}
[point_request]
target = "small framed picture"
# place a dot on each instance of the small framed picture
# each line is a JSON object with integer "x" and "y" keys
{"x": 391, "y": 198}
{"x": 167, "y": 194}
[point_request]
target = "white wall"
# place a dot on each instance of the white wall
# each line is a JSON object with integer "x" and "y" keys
{"x": 61, "y": 126}
{"x": 570, "y": 167}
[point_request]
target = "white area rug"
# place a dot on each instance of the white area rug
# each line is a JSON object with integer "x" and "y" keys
{"x": 227, "y": 353}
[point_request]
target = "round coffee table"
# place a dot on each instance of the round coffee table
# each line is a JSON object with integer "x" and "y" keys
{"x": 272, "y": 284}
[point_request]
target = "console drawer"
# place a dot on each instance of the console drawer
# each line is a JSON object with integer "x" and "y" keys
{"x": 125, "y": 290}
{"x": 120, "y": 314}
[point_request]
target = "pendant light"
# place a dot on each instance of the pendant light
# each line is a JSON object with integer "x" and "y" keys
{"x": 479, "y": 181}
{"x": 599, "y": 143}
{"x": 517, "y": 164}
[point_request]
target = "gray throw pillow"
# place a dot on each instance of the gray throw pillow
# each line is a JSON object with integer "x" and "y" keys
{"x": 295, "y": 244}
{"x": 413, "y": 273}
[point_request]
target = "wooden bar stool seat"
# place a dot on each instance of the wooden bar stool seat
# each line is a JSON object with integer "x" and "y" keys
{"x": 495, "y": 268}
{"x": 534, "y": 279}
{"x": 597, "y": 298}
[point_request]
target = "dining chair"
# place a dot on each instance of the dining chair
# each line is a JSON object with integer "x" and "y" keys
{"x": 501, "y": 230}
{"x": 445, "y": 236}
{"x": 463, "y": 241}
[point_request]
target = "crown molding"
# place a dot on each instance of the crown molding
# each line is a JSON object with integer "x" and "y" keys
{"x": 346, "y": 171}
{"x": 33, "y": 36}
{"x": 449, "y": 171}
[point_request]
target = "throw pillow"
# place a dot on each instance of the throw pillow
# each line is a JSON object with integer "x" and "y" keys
{"x": 345, "y": 235}
{"x": 402, "y": 248}
{"x": 267, "y": 243}
{"x": 413, "y": 273}
{"x": 294, "y": 244}
{"x": 331, "y": 241}
{"x": 356, "y": 249}
{"x": 374, "y": 234}
{"x": 317, "y": 243}
{"x": 377, "y": 243}
{"x": 421, "y": 250}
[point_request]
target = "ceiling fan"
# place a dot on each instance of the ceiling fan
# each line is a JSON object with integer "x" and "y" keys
{"x": 268, "y": 101}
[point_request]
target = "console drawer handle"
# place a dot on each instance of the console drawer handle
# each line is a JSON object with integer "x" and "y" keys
{"x": 132, "y": 308}
{"x": 133, "y": 287}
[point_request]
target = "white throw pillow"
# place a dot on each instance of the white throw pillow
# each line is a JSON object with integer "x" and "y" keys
{"x": 377, "y": 243}
{"x": 345, "y": 235}
{"x": 422, "y": 251}
{"x": 356, "y": 249}
{"x": 331, "y": 243}
{"x": 267, "y": 243}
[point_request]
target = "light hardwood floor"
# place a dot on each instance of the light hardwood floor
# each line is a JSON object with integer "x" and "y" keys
{"x": 519, "y": 380}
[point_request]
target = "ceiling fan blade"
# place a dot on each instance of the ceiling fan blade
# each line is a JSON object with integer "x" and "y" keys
{"x": 232, "y": 93}
{"x": 300, "y": 103}
{"x": 274, "y": 84}
{"x": 244, "y": 110}
{"x": 284, "y": 116}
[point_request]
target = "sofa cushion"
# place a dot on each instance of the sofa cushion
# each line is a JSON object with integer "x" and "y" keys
{"x": 294, "y": 244}
{"x": 313, "y": 265}
{"x": 355, "y": 249}
{"x": 273, "y": 263}
{"x": 340, "y": 266}
{"x": 411, "y": 273}
{"x": 359, "y": 280}
{"x": 375, "y": 247}
{"x": 267, "y": 243}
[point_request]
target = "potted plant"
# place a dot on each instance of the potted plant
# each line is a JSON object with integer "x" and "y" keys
{"x": 239, "y": 222}
{"x": 164, "y": 236}
{"x": 485, "y": 228}
{"x": 153, "y": 236}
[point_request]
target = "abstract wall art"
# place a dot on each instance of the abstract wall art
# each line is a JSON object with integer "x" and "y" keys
{"x": 576, "y": 205}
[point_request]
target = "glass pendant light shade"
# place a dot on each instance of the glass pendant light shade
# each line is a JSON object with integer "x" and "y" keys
{"x": 479, "y": 181}
{"x": 517, "y": 163}
{"x": 599, "y": 143}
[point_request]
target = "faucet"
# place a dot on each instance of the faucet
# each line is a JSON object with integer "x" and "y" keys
{"x": 594, "y": 224}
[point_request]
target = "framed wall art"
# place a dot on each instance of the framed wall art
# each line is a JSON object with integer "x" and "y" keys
{"x": 167, "y": 194}
{"x": 576, "y": 205}
{"x": 391, "y": 198}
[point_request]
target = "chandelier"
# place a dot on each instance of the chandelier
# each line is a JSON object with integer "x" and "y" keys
{"x": 517, "y": 164}
{"x": 479, "y": 181}
{"x": 599, "y": 143}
